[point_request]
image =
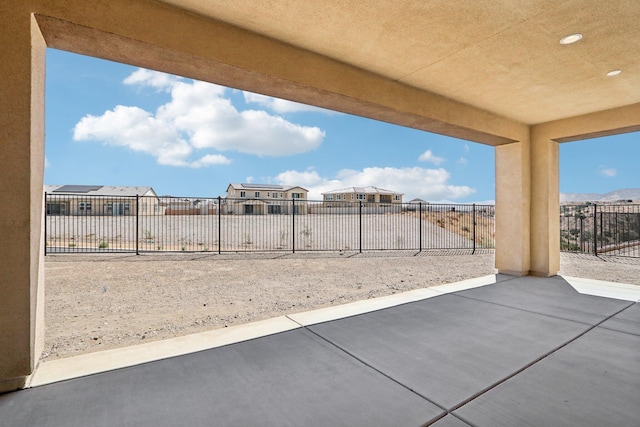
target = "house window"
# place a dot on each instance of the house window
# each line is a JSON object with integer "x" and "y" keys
{"x": 296, "y": 195}
{"x": 268, "y": 194}
{"x": 127, "y": 207}
{"x": 328, "y": 197}
{"x": 362, "y": 197}
{"x": 396, "y": 197}
{"x": 257, "y": 194}
{"x": 243, "y": 194}
{"x": 84, "y": 207}
{"x": 338, "y": 196}
{"x": 281, "y": 195}
{"x": 56, "y": 209}
{"x": 274, "y": 209}
{"x": 275, "y": 195}
{"x": 351, "y": 196}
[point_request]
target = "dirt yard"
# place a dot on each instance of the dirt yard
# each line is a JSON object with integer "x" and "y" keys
{"x": 97, "y": 302}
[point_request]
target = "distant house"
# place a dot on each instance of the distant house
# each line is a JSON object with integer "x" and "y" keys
{"x": 347, "y": 196}
{"x": 188, "y": 206}
{"x": 100, "y": 200}
{"x": 417, "y": 201}
{"x": 261, "y": 199}
{"x": 415, "y": 204}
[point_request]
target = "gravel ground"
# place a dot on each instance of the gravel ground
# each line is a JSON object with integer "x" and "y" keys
{"x": 97, "y": 302}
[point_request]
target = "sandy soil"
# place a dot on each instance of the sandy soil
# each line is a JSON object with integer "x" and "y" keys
{"x": 97, "y": 302}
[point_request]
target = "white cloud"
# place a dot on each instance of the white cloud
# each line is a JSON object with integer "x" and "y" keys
{"x": 607, "y": 172}
{"x": 249, "y": 180}
{"x": 46, "y": 163}
{"x": 281, "y": 106}
{"x": 210, "y": 159}
{"x": 199, "y": 117}
{"x": 463, "y": 161}
{"x": 138, "y": 130}
{"x": 157, "y": 80}
{"x": 428, "y": 184}
{"x": 428, "y": 156}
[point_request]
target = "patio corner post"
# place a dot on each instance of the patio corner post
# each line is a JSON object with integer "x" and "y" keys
{"x": 293, "y": 225}
{"x": 545, "y": 203}
{"x": 22, "y": 175}
{"x": 512, "y": 211}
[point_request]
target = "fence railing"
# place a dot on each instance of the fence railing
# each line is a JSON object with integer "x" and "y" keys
{"x": 600, "y": 229}
{"x": 79, "y": 223}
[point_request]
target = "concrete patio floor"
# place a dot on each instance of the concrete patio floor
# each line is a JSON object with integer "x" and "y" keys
{"x": 492, "y": 351}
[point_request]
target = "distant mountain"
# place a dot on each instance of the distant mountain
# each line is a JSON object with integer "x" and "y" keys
{"x": 578, "y": 197}
{"x": 613, "y": 196}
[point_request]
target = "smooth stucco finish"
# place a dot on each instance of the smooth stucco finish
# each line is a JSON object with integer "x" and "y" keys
{"x": 21, "y": 174}
{"x": 545, "y": 206}
{"x": 471, "y": 84}
{"x": 513, "y": 208}
{"x": 502, "y": 56}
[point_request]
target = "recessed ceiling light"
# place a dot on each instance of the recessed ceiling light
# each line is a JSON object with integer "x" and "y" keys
{"x": 614, "y": 73}
{"x": 571, "y": 38}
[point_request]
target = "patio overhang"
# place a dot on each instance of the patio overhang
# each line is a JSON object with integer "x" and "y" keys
{"x": 489, "y": 72}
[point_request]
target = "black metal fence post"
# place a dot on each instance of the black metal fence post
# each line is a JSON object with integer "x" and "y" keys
{"x": 360, "y": 225}
{"x": 474, "y": 228}
{"x": 86, "y": 223}
{"x": 595, "y": 229}
{"x": 581, "y": 233}
{"x": 420, "y": 226}
{"x": 137, "y": 224}
{"x": 45, "y": 223}
{"x": 219, "y": 225}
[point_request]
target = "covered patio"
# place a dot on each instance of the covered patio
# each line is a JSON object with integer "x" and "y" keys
{"x": 497, "y": 73}
{"x": 492, "y": 351}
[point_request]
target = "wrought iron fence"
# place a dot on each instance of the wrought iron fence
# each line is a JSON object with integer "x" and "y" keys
{"x": 600, "y": 229}
{"x": 79, "y": 223}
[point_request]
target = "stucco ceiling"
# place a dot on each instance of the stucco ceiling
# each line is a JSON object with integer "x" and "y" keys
{"x": 502, "y": 56}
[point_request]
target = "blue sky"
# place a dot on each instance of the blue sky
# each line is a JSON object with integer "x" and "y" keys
{"x": 113, "y": 124}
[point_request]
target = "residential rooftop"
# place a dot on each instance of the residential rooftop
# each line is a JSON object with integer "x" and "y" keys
{"x": 98, "y": 190}
{"x": 362, "y": 190}
{"x": 249, "y": 186}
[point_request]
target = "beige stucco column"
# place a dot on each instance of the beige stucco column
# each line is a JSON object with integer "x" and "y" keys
{"x": 513, "y": 225}
{"x": 527, "y": 207}
{"x": 545, "y": 205}
{"x": 21, "y": 177}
